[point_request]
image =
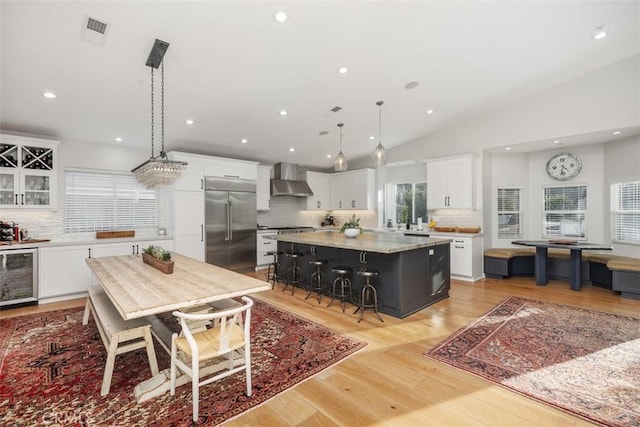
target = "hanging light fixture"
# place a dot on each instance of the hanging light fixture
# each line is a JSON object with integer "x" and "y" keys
{"x": 379, "y": 155}
{"x": 158, "y": 170}
{"x": 340, "y": 165}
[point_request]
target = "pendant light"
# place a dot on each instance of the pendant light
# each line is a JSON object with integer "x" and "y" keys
{"x": 379, "y": 155}
{"x": 158, "y": 170}
{"x": 340, "y": 165}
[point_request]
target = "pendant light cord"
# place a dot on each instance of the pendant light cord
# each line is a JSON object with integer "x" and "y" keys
{"x": 162, "y": 153}
{"x": 152, "y": 115}
{"x": 379, "y": 103}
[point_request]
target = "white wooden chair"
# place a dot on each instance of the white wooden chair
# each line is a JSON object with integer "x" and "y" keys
{"x": 227, "y": 335}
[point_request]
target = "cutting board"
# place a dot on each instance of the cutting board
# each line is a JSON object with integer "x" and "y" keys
{"x": 114, "y": 234}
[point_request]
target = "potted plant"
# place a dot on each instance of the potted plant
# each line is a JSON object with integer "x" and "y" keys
{"x": 351, "y": 228}
{"x": 158, "y": 258}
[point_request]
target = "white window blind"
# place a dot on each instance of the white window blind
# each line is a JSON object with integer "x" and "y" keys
{"x": 97, "y": 201}
{"x": 625, "y": 212}
{"x": 509, "y": 213}
{"x": 565, "y": 212}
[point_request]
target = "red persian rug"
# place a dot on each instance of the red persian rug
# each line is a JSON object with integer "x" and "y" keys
{"x": 52, "y": 369}
{"x": 583, "y": 361}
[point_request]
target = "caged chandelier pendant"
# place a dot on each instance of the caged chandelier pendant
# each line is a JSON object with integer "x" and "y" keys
{"x": 158, "y": 170}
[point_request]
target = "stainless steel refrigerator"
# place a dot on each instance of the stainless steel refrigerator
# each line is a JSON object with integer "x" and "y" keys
{"x": 230, "y": 223}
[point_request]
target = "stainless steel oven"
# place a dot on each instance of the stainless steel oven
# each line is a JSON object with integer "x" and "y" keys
{"x": 18, "y": 276}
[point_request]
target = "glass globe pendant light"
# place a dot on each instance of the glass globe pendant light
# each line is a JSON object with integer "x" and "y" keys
{"x": 379, "y": 155}
{"x": 340, "y": 165}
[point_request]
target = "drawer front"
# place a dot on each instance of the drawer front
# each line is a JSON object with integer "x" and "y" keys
{"x": 262, "y": 259}
{"x": 265, "y": 245}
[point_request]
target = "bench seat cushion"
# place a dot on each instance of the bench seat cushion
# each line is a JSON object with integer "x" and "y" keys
{"x": 509, "y": 252}
{"x": 624, "y": 263}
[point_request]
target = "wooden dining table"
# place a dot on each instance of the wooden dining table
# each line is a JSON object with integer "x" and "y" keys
{"x": 138, "y": 290}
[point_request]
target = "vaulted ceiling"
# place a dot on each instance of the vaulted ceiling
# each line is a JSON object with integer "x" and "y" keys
{"x": 231, "y": 68}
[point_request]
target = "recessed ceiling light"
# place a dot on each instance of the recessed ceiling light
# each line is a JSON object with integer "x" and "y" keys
{"x": 243, "y": 140}
{"x": 372, "y": 138}
{"x": 283, "y": 112}
{"x": 328, "y": 156}
{"x": 189, "y": 121}
{"x": 617, "y": 132}
{"x": 291, "y": 150}
{"x": 507, "y": 148}
{"x": 411, "y": 85}
{"x": 281, "y": 16}
{"x": 430, "y": 111}
{"x": 49, "y": 95}
{"x": 600, "y": 33}
{"x": 343, "y": 70}
{"x": 556, "y": 141}
{"x": 118, "y": 139}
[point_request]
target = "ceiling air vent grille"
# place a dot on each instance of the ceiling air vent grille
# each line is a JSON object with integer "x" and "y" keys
{"x": 336, "y": 109}
{"x": 97, "y": 26}
{"x": 94, "y": 31}
{"x": 332, "y": 111}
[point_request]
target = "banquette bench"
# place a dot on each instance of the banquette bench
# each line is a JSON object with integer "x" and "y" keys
{"x": 619, "y": 273}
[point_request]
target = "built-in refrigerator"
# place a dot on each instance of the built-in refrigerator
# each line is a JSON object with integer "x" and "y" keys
{"x": 230, "y": 223}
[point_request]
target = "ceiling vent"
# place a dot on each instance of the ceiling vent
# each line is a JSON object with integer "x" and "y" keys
{"x": 332, "y": 111}
{"x": 94, "y": 31}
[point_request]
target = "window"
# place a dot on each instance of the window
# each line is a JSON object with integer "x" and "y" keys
{"x": 625, "y": 212}
{"x": 410, "y": 202}
{"x": 107, "y": 201}
{"x": 509, "y": 213}
{"x": 565, "y": 212}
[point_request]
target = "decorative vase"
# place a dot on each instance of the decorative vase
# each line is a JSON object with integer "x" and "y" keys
{"x": 351, "y": 232}
{"x": 164, "y": 266}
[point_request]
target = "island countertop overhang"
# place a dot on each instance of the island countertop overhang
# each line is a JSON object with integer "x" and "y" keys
{"x": 385, "y": 243}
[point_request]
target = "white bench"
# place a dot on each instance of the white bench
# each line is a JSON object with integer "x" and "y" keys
{"x": 118, "y": 335}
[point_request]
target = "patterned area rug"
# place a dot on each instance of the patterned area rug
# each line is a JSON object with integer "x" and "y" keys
{"x": 52, "y": 368}
{"x": 582, "y": 361}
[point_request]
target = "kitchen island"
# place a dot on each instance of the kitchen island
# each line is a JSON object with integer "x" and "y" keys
{"x": 414, "y": 270}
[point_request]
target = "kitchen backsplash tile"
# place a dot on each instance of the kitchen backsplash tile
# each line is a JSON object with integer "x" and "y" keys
{"x": 456, "y": 217}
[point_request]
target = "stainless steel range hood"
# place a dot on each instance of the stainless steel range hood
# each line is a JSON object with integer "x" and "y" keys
{"x": 286, "y": 183}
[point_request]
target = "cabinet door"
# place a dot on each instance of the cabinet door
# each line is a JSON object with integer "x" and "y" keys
{"x": 437, "y": 185}
{"x": 460, "y": 183}
{"x": 189, "y": 224}
{"x": 320, "y": 185}
{"x": 461, "y": 257}
{"x": 192, "y": 177}
{"x": 360, "y": 189}
{"x": 9, "y": 188}
{"x": 263, "y": 188}
{"x": 229, "y": 168}
{"x": 62, "y": 270}
{"x": 113, "y": 249}
{"x": 264, "y": 245}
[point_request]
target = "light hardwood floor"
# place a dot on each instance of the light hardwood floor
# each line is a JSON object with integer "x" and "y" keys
{"x": 391, "y": 383}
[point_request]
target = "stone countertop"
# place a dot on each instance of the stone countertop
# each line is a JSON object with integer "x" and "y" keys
{"x": 386, "y": 243}
{"x": 37, "y": 243}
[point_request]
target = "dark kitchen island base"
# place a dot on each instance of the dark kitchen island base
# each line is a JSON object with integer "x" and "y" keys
{"x": 409, "y": 280}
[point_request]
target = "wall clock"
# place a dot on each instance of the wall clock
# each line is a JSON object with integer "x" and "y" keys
{"x": 563, "y": 166}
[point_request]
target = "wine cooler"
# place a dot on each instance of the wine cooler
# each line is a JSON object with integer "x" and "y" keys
{"x": 18, "y": 277}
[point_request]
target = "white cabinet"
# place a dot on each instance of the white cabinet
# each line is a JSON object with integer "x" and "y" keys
{"x": 28, "y": 172}
{"x": 263, "y": 188}
{"x": 264, "y": 245}
{"x": 321, "y": 186}
{"x": 62, "y": 270}
{"x": 353, "y": 189}
{"x": 113, "y": 249}
{"x": 230, "y": 168}
{"x": 450, "y": 183}
{"x": 188, "y": 229}
{"x": 466, "y": 258}
{"x": 191, "y": 178}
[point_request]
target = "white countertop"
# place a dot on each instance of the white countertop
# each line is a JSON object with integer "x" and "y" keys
{"x": 27, "y": 244}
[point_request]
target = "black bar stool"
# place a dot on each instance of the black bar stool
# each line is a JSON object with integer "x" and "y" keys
{"x": 344, "y": 284}
{"x": 368, "y": 294}
{"x": 294, "y": 272}
{"x": 315, "y": 281}
{"x": 273, "y": 270}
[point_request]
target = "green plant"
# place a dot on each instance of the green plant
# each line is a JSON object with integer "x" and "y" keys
{"x": 158, "y": 252}
{"x": 352, "y": 223}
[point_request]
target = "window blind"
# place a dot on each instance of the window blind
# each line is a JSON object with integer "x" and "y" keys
{"x": 565, "y": 211}
{"x": 625, "y": 212}
{"x": 509, "y": 213}
{"x": 98, "y": 201}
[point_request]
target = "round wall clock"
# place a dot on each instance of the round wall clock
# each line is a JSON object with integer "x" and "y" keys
{"x": 563, "y": 166}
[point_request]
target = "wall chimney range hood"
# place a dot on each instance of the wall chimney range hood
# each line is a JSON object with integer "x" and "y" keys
{"x": 286, "y": 183}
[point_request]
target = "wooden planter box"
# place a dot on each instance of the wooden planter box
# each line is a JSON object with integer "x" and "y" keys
{"x": 164, "y": 266}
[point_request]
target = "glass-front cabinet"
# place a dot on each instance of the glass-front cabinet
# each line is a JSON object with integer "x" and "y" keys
{"x": 27, "y": 172}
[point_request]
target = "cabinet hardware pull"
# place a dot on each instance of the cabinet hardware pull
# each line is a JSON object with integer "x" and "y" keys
{"x": 89, "y": 252}
{"x": 16, "y": 198}
{"x": 232, "y": 176}
{"x": 459, "y": 247}
{"x": 201, "y": 233}
{"x": 22, "y": 199}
